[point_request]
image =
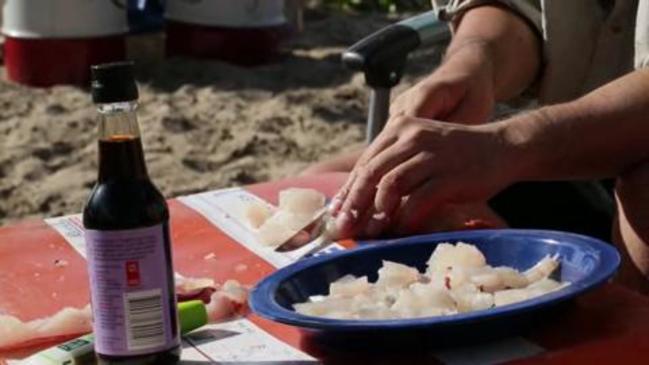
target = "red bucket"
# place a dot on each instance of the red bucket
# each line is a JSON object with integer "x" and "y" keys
{"x": 51, "y": 42}
{"x": 242, "y": 46}
{"x": 245, "y": 32}
{"x": 47, "y": 62}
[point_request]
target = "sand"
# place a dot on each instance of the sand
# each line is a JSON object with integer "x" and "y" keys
{"x": 205, "y": 124}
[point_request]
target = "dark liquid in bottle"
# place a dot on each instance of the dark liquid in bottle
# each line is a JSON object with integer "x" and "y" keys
{"x": 125, "y": 198}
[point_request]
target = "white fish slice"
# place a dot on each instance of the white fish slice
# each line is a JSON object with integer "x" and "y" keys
{"x": 309, "y": 239}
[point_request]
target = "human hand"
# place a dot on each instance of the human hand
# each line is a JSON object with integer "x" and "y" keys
{"x": 461, "y": 90}
{"x": 417, "y": 165}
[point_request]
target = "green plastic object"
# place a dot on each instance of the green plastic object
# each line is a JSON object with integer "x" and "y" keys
{"x": 192, "y": 315}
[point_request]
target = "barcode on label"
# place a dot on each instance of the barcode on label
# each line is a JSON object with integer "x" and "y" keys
{"x": 144, "y": 319}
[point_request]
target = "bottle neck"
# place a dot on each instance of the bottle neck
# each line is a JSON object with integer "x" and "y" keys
{"x": 120, "y": 148}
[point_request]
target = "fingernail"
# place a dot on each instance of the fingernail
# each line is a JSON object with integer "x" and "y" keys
{"x": 335, "y": 205}
{"x": 380, "y": 216}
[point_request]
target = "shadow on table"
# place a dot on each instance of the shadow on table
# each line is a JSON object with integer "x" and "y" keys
{"x": 208, "y": 335}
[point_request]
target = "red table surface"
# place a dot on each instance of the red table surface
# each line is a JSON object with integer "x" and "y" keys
{"x": 609, "y": 325}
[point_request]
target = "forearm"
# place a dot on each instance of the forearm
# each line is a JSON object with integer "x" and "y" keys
{"x": 503, "y": 42}
{"x": 599, "y": 135}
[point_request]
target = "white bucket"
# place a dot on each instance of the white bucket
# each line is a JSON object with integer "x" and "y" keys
{"x": 228, "y": 13}
{"x": 64, "y": 18}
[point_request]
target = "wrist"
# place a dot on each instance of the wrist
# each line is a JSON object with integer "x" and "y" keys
{"x": 523, "y": 153}
{"x": 474, "y": 54}
{"x": 472, "y": 61}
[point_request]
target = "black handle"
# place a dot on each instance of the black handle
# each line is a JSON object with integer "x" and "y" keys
{"x": 382, "y": 56}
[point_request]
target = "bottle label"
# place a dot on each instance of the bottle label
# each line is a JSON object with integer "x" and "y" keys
{"x": 133, "y": 304}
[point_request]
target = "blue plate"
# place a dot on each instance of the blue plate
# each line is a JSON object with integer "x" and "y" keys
{"x": 585, "y": 262}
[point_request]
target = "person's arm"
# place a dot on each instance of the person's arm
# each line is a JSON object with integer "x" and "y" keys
{"x": 603, "y": 134}
{"x": 431, "y": 163}
{"x": 599, "y": 135}
{"x": 512, "y": 46}
{"x": 493, "y": 56}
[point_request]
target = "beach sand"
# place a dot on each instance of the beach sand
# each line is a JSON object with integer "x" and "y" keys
{"x": 206, "y": 125}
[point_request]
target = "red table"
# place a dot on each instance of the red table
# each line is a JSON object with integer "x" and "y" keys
{"x": 609, "y": 325}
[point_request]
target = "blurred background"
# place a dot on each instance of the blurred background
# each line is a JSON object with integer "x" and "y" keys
{"x": 232, "y": 91}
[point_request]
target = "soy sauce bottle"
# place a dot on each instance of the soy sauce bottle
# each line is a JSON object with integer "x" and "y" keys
{"x": 127, "y": 236}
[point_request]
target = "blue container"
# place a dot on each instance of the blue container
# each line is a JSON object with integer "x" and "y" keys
{"x": 585, "y": 262}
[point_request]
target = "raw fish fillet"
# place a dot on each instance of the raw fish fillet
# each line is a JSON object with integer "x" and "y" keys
{"x": 66, "y": 322}
{"x": 277, "y": 229}
{"x": 298, "y": 208}
{"x": 393, "y": 274}
{"x": 222, "y": 303}
{"x": 256, "y": 213}
{"x": 301, "y": 201}
{"x": 462, "y": 255}
{"x": 350, "y": 288}
{"x": 457, "y": 280}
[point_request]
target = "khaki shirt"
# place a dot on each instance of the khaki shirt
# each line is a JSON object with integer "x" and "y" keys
{"x": 586, "y": 43}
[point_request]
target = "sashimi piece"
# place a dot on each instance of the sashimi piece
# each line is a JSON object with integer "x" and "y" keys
{"x": 305, "y": 202}
{"x": 458, "y": 280}
{"x": 455, "y": 277}
{"x": 277, "y": 229}
{"x": 256, "y": 213}
{"x": 186, "y": 285}
{"x": 66, "y": 322}
{"x": 462, "y": 255}
{"x": 435, "y": 311}
{"x": 375, "y": 312}
{"x": 511, "y": 278}
{"x": 510, "y": 296}
{"x": 410, "y": 304}
{"x": 298, "y": 208}
{"x": 229, "y": 302}
{"x": 349, "y": 288}
{"x": 393, "y": 274}
{"x": 468, "y": 297}
{"x": 480, "y": 301}
{"x": 235, "y": 291}
{"x": 488, "y": 279}
{"x": 545, "y": 286}
{"x": 325, "y": 308}
{"x": 542, "y": 269}
{"x": 432, "y": 296}
{"x": 407, "y": 304}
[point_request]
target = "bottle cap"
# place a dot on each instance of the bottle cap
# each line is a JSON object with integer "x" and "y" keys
{"x": 113, "y": 83}
{"x": 192, "y": 315}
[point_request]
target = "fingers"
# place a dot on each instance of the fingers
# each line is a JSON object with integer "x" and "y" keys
{"x": 402, "y": 180}
{"x": 425, "y": 100}
{"x": 425, "y": 198}
{"x": 381, "y": 142}
{"x": 385, "y": 139}
{"x": 360, "y": 197}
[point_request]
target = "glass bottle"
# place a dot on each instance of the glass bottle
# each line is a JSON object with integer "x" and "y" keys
{"x": 127, "y": 236}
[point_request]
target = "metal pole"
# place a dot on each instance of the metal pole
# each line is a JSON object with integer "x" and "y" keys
{"x": 378, "y": 113}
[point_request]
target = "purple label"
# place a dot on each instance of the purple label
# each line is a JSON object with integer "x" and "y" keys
{"x": 129, "y": 290}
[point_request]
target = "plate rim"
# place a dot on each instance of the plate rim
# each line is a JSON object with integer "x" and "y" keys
{"x": 262, "y": 301}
